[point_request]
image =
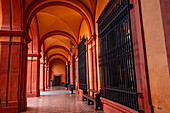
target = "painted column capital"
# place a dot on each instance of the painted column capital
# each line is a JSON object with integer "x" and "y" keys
{"x": 34, "y": 55}
{"x": 18, "y": 33}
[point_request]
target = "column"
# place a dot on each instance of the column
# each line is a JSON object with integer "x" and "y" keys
{"x": 44, "y": 69}
{"x": 91, "y": 65}
{"x": 13, "y": 54}
{"x": 33, "y": 75}
{"x": 71, "y": 70}
{"x": 47, "y": 76}
{"x": 87, "y": 65}
{"x": 76, "y": 71}
{"x": 42, "y": 86}
{"x": 95, "y": 65}
{"x": 13, "y": 58}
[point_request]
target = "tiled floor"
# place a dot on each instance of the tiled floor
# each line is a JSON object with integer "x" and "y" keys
{"x": 55, "y": 90}
{"x": 58, "y": 103}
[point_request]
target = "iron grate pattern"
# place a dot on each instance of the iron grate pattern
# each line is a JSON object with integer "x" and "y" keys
{"x": 82, "y": 65}
{"x": 116, "y": 60}
{"x": 68, "y": 72}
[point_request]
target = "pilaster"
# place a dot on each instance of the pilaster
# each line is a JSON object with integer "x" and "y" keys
{"x": 42, "y": 77}
{"x": 33, "y": 75}
{"x": 13, "y": 69}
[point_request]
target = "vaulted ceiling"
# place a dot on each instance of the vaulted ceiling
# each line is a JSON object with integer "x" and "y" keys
{"x": 59, "y": 22}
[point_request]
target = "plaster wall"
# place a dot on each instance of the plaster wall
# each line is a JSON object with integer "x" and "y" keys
{"x": 0, "y": 14}
{"x": 83, "y": 31}
{"x": 156, "y": 55}
{"x": 99, "y": 8}
{"x": 57, "y": 68}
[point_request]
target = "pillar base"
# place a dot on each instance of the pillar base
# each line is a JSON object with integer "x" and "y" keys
{"x": 13, "y": 107}
{"x": 47, "y": 89}
{"x": 33, "y": 94}
{"x": 43, "y": 89}
{"x": 9, "y": 110}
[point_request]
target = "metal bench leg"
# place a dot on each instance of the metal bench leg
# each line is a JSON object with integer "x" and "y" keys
{"x": 96, "y": 106}
{"x": 83, "y": 99}
{"x": 92, "y": 103}
{"x": 100, "y": 104}
{"x": 88, "y": 101}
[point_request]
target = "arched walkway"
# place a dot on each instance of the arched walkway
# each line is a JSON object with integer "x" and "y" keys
{"x": 114, "y": 53}
{"x": 68, "y": 103}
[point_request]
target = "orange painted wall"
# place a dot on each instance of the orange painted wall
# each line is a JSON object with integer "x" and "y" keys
{"x": 0, "y": 15}
{"x": 99, "y": 8}
{"x": 90, "y": 68}
{"x": 101, "y": 4}
{"x": 57, "y": 68}
{"x": 83, "y": 30}
{"x": 159, "y": 77}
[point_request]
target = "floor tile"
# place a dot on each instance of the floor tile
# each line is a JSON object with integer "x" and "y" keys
{"x": 59, "y": 100}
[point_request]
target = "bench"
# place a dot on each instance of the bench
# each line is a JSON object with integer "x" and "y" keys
{"x": 95, "y": 98}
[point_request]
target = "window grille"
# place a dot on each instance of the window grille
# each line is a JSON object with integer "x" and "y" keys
{"x": 68, "y": 72}
{"x": 116, "y": 59}
{"x": 82, "y": 65}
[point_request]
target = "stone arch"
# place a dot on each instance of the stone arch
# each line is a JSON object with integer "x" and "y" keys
{"x": 67, "y": 35}
{"x": 57, "y": 55}
{"x": 57, "y": 46}
{"x": 89, "y": 20}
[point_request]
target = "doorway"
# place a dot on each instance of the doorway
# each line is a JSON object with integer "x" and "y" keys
{"x": 57, "y": 80}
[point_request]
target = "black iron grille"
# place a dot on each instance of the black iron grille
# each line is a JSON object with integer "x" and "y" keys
{"x": 68, "y": 72}
{"x": 117, "y": 71}
{"x": 82, "y": 65}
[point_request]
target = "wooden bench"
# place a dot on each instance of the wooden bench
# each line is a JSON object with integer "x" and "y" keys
{"x": 95, "y": 98}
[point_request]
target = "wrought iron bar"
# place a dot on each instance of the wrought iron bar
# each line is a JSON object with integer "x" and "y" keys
{"x": 116, "y": 60}
{"x": 82, "y": 65}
